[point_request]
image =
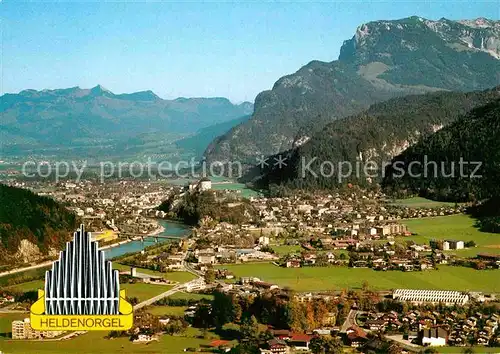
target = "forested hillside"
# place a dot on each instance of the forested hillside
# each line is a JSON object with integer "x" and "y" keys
{"x": 467, "y": 156}
{"x": 377, "y": 135}
{"x": 40, "y": 220}
{"x": 193, "y": 207}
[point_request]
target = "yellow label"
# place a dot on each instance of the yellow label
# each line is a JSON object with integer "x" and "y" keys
{"x": 42, "y": 322}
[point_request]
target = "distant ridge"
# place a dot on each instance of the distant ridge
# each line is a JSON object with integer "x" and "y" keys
{"x": 97, "y": 121}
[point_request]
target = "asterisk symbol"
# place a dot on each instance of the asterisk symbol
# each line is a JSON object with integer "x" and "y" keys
{"x": 262, "y": 161}
{"x": 280, "y": 161}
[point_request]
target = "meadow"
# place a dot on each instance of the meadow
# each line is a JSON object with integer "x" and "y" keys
{"x": 181, "y": 277}
{"x": 140, "y": 290}
{"x": 419, "y": 202}
{"x": 6, "y": 321}
{"x": 144, "y": 291}
{"x": 94, "y": 342}
{"x": 27, "y": 286}
{"x": 167, "y": 310}
{"x": 458, "y": 227}
{"x": 191, "y": 296}
{"x": 338, "y": 278}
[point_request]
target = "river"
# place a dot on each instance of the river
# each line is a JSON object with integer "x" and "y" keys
{"x": 172, "y": 228}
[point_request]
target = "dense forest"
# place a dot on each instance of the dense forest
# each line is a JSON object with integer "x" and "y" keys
{"x": 193, "y": 207}
{"x": 487, "y": 215}
{"x": 376, "y": 135}
{"x": 25, "y": 215}
{"x": 461, "y": 162}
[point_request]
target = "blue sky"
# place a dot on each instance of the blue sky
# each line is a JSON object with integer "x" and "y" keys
{"x": 188, "y": 49}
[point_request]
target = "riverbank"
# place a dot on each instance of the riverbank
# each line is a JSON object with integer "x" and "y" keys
{"x": 135, "y": 244}
{"x": 159, "y": 230}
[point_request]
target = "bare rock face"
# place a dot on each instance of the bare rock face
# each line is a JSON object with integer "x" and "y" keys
{"x": 28, "y": 252}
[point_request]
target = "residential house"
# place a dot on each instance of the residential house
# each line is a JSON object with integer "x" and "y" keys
{"x": 434, "y": 337}
{"x": 300, "y": 341}
{"x": 277, "y": 346}
{"x": 356, "y": 337}
{"x": 206, "y": 258}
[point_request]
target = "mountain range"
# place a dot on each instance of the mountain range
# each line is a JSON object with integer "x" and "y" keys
{"x": 97, "y": 120}
{"x": 383, "y": 60}
{"x": 374, "y": 136}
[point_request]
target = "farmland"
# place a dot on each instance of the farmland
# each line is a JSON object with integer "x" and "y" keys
{"x": 337, "y": 278}
{"x": 94, "y": 342}
{"x": 458, "y": 227}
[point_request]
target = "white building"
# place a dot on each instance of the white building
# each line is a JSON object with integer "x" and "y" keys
{"x": 22, "y": 330}
{"x": 206, "y": 258}
{"x": 434, "y": 337}
{"x": 432, "y": 296}
{"x": 205, "y": 184}
{"x": 455, "y": 245}
{"x": 263, "y": 240}
{"x": 196, "y": 285}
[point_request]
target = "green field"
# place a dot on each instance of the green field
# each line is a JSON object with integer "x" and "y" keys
{"x": 283, "y": 250}
{"x": 6, "y": 321}
{"x": 419, "y": 202}
{"x": 94, "y": 342}
{"x": 191, "y": 296}
{"x": 181, "y": 277}
{"x": 167, "y": 310}
{"x": 144, "y": 291}
{"x": 478, "y": 350}
{"x": 337, "y": 278}
{"x": 33, "y": 273}
{"x": 458, "y": 227}
{"x": 28, "y": 286}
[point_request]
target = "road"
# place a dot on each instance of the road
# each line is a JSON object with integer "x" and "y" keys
{"x": 404, "y": 343}
{"x": 157, "y": 297}
{"x": 172, "y": 291}
{"x": 19, "y": 270}
{"x": 349, "y": 321}
{"x": 175, "y": 289}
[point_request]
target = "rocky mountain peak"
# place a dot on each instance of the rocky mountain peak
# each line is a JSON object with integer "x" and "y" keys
{"x": 414, "y": 33}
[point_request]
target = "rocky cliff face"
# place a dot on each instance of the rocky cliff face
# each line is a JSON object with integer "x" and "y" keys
{"x": 383, "y": 59}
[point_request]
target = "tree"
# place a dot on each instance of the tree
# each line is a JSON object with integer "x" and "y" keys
{"x": 203, "y": 317}
{"x": 322, "y": 260}
{"x": 297, "y": 319}
{"x": 317, "y": 345}
{"x": 322, "y": 345}
{"x": 470, "y": 244}
{"x": 209, "y": 276}
{"x": 249, "y": 329}
{"x": 364, "y": 285}
{"x": 310, "y": 316}
{"x": 223, "y": 309}
{"x": 394, "y": 348}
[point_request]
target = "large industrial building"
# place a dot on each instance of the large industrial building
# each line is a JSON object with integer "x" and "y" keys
{"x": 431, "y": 296}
